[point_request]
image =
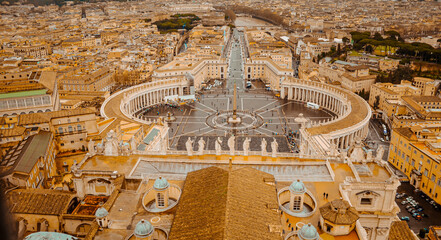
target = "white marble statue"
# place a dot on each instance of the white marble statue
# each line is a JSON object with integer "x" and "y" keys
{"x": 218, "y": 146}
{"x": 100, "y": 147}
{"x": 74, "y": 167}
{"x": 333, "y": 151}
{"x": 201, "y": 144}
{"x": 343, "y": 155}
{"x": 125, "y": 149}
{"x": 189, "y": 146}
{"x": 369, "y": 157}
{"x": 357, "y": 154}
{"x": 246, "y": 146}
{"x": 231, "y": 142}
{"x": 132, "y": 144}
{"x": 274, "y": 148}
{"x": 263, "y": 146}
{"x": 111, "y": 144}
{"x": 91, "y": 147}
{"x": 380, "y": 153}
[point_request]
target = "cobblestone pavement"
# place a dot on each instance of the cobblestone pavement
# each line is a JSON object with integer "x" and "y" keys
{"x": 278, "y": 115}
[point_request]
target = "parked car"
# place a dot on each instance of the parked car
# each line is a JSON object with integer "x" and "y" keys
{"x": 408, "y": 206}
{"x": 418, "y": 217}
{"x": 406, "y": 218}
{"x": 420, "y": 209}
{"x": 404, "y": 202}
{"x": 410, "y": 209}
{"x": 415, "y": 214}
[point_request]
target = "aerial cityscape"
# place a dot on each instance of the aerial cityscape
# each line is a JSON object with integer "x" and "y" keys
{"x": 220, "y": 120}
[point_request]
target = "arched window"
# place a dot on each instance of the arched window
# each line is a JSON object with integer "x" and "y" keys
{"x": 60, "y": 130}
{"x": 296, "y": 203}
{"x": 160, "y": 199}
{"x": 79, "y": 128}
{"x": 70, "y": 129}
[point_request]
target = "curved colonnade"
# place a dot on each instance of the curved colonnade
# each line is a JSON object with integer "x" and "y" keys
{"x": 142, "y": 96}
{"x": 353, "y": 112}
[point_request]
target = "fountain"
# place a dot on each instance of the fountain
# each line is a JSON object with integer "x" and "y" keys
{"x": 170, "y": 117}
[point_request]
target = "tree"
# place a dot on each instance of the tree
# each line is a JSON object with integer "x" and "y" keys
{"x": 377, "y": 102}
{"x": 393, "y": 35}
{"x": 345, "y": 40}
{"x": 369, "y": 49}
{"x": 378, "y": 37}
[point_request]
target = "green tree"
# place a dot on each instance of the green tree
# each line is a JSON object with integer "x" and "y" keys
{"x": 369, "y": 49}
{"x": 378, "y": 37}
{"x": 376, "y": 102}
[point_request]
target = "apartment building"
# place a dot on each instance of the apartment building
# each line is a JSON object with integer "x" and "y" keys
{"x": 88, "y": 79}
{"x": 416, "y": 151}
{"x": 357, "y": 78}
{"x": 28, "y": 92}
{"x": 31, "y": 161}
{"x": 70, "y": 127}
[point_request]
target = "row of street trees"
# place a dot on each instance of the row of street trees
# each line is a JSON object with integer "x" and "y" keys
{"x": 415, "y": 50}
{"x": 264, "y": 14}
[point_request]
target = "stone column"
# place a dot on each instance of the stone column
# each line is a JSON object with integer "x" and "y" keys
{"x": 290, "y": 93}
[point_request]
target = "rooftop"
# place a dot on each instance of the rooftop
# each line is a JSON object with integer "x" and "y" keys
{"x": 39, "y": 201}
{"x": 399, "y": 230}
{"x": 27, "y": 156}
{"x": 215, "y": 204}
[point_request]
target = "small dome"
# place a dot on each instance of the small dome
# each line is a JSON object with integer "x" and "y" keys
{"x": 143, "y": 229}
{"x": 308, "y": 232}
{"x": 297, "y": 187}
{"x": 161, "y": 184}
{"x": 50, "y": 236}
{"x": 101, "y": 212}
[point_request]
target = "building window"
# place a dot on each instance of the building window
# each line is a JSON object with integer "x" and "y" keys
{"x": 60, "y": 130}
{"x": 296, "y": 203}
{"x": 433, "y": 178}
{"x": 70, "y": 129}
{"x": 161, "y": 202}
{"x": 426, "y": 172}
{"x": 79, "y": 128}
{"x": 366, "y": 201}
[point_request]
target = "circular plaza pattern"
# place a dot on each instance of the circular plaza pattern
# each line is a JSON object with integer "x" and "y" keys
{"x": 335, "y": 116}
{"x": 248, "y": 121}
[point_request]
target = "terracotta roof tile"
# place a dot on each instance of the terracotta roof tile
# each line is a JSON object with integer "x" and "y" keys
{"x": 218, "y": 204}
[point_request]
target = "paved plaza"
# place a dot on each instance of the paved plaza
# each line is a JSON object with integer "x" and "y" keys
{"x": 262, "y": 114}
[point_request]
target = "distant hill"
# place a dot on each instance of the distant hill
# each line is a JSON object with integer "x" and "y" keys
{"x": 49, "y": 2}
